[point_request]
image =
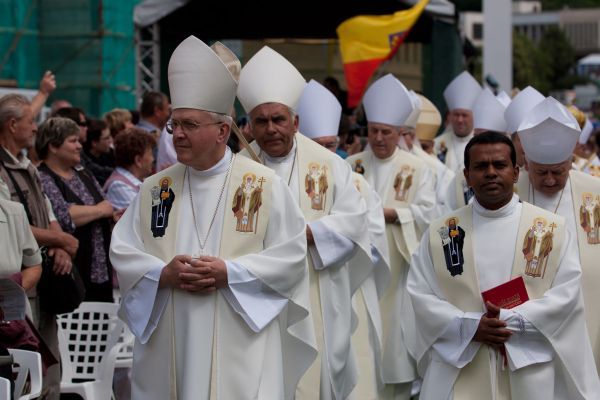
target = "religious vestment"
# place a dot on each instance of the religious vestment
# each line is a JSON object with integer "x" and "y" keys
{"x": 579, "y": 204}
{"x": 414, "y": 214}
{"x": 322, "y": 185}
{"x": 367, "y": 339}
{"x": 250, "y": 340}
{"x": 450, "y": 149}
{"x": 589, "y": 166}
{"x": 443, "y": 177}
{"x": 548, "y": 355}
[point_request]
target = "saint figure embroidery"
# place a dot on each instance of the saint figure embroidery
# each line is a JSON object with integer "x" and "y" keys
{"x": 453, "y": 238}
{"x": 316, "y": 185}
{"x": 595, "y": 170}
{"x": 246, "y": 203}
{"x": 359, "y": 167}
{"x": 589, "y": 216}
{"x": 537, "y": 246}
{"x": 162, "y": 201}
{"x": 466, "y": 190}
{"x": 442, "y": 152}
{"x": 403, "y": 182}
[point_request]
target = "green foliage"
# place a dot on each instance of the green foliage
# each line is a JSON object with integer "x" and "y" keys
{"x": 546, "y": 66}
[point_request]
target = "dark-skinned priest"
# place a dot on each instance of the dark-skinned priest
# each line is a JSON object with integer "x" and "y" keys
{"x": 528, "y": 340}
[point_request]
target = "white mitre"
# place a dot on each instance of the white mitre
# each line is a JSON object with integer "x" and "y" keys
{"x": 319, "y": 111}
{"x": 488, "y": 112}
{"x": 503, "y": 98}
{"x": 462, "y": 92}
{"x": 520, "y": 106}
{"x": 411, "y": 121}
{"x": 387, "y": 101}
{"x": 586, "y": 132}
{"x": 549, "y": 133}
{"x": 199, "y": 79}
{"x": 269, "y": 78}
{"x": 429, "y": 121}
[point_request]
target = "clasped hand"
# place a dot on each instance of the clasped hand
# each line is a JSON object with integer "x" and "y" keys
{"x": 198, "y": 275}
{"x": 492, "y": 330}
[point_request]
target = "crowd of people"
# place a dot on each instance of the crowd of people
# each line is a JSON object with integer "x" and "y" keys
{"x": 292, "y": 256}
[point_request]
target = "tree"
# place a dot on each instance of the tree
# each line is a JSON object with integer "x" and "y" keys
{"x": 559, "y": 56}
{"x": 529, "y": 64}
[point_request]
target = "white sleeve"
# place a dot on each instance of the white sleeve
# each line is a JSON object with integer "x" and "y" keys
{"x": 455, "y": 345}
{"x": 51, "y": 215}
{"x": 527, "y": 345}
{"x": 330, "y": 248}
{"x": 256, "y": 303}
{"x": 423, "y": 206}
{"x": 144, "y": 304}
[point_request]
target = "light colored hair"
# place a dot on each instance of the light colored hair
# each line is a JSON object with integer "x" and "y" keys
{"x": 11, "y": 106}
{"x": 222, "y": 118}
{"x": 54, "y": 131}
{"x": 116, "y": 119}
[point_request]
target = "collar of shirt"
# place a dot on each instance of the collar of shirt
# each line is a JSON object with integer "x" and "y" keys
{"x": 148, "y": 126}
{"x": 132, "y": 178}
{"x": 503, "y": 211}
{"x": 219, "y": 168}
{"x": 20, "y": 162}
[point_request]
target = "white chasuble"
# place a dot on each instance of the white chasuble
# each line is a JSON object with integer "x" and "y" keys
{"x": 444, "y": 177}
{"x": 368, "y": 337}
{"x": 474, "y": 249}
{"x": 322, "y": 184}
{"x": 414, "y": 204}
{"x": 580, "y": 206}
{"x": 250, "y": 340}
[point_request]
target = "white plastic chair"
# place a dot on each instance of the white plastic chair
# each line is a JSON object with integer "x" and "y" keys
{"x": 126, "y": 340}
{"x": 88, "y": 342}
{"x": 27, "y": 363}
{"x": 4, "y": 388}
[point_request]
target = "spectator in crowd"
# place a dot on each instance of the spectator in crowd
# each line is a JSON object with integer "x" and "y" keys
{"x": 47, "y": 86}
{"x": 333, "y": 85}
{"x": 155, "y": 111}
{"x": 118, "y": 119}
{"x": 21, "y": 261}
{"x": 78, "y": 202}
{"x": 134, "y": 159}
{"x": 19, "y": 181}
{"x": 78, "y": 116}
{"x": 99, "y": 146}
{"x": 58, "y": 104}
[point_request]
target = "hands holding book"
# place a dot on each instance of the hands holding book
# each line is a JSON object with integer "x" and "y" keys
{"x": 491, "y": 329}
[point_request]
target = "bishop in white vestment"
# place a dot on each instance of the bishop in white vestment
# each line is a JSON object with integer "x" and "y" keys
{"x": 549, "y": 135}
{"x": 387, "y": 105}
{"x": 536, "y": 350}
{"x": 219, "y": 312}
{"x": 319, "y": 112}
{"x": 336, "y": 215}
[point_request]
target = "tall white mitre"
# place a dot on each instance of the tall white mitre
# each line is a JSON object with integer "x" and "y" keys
{"x": 319, "y": 111}
{"x": 199, "y": 79}
{"x": 549, "y": 133}
{"x": 269, "y": 78}
{"x": 586, "y": 132}
{"x": 430, "y": 120}
{"x": 411, "y": 121}
{"x": 488, "y": 112}
{"x": 387, "y": 101}
{"x": 503, "y": 98}
{"x": 462, "y": 92}
{"x": 520, "y": 106}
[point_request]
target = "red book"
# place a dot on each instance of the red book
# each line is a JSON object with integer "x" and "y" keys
{"x": 507, "y": 295}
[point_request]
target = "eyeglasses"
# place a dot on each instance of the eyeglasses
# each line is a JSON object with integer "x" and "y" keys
{"x": 186, "y": 125}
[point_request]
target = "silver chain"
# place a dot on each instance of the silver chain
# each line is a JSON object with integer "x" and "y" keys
{"x": 202, "y": 245}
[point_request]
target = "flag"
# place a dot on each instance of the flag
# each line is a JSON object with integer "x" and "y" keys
{"x": 367, "y": 41}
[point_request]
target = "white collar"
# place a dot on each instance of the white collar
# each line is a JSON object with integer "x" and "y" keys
{"x": 282, "y": 159}
{"x": 219, "y": 168}
{"x": 502, "y": 212}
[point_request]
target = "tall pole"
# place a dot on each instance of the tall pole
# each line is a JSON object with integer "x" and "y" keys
{"x": 497, "y": 42}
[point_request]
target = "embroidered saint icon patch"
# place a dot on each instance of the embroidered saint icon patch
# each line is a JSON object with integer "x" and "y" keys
{"x": 246, "y": 203}
{"x": 589, "y": 217}
{"x": 316, "y": 185}
{"x": 162, "y": 201}
{"x": 453, "y": 237}
{"x": 403, "y": 182}
{"x": 359, "y": 168}
{"x": 537, "y": 246}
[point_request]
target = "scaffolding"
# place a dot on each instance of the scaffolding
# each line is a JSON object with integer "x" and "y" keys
{"x": 147, "y": 41}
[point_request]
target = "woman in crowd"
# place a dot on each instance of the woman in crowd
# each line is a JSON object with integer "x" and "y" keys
{"x": 78, "y": 202}
{"x": 118, "y": 119}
